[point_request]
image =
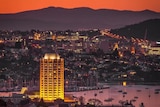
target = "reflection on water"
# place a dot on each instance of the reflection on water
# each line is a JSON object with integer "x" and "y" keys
{"x": 137, "y": 94}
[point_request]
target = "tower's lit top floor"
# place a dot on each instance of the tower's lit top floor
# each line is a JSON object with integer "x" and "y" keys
{"x": 51, "y": 56}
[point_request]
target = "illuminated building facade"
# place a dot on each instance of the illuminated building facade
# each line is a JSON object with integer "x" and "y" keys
{"x": 51, "y": 77}
{"x": 153, "y": 51}
{"x": 115, "y": 46}
{"x": 133, "y": 50}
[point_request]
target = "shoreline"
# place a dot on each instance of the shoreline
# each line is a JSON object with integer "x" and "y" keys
{"x": 131, "y": 83}
{"x": 108, "y": 85}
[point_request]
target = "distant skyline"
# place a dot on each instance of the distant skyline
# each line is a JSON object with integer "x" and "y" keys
{"x": 14, "y": 6}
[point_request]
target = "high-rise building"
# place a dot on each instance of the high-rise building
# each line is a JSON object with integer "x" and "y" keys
{"x": 51, "y": 77}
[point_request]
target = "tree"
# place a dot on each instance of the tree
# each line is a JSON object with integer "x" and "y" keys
{"x": 58, "y": 101}
{"x": 81, "y": 100}
{"x": 115, "y": 54}
{"x": 41, "y": 103}
{"x": 3, "y": 103}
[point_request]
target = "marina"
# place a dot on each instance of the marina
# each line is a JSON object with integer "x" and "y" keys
{"x": 117, "y": 94}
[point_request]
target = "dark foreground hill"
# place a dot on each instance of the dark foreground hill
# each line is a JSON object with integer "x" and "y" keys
{"x": 78, "y": 18}
{"x": 149, "y": 29}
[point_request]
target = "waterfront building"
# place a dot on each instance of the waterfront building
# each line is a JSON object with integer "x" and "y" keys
{"x": 51, "y": 77}
{"x": 154, "y": 50}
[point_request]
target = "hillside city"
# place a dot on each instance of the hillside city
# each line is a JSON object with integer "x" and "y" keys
{"x": 91, "y": 57}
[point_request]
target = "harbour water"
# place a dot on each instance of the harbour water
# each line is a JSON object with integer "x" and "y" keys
{"x": 147, "y": 94}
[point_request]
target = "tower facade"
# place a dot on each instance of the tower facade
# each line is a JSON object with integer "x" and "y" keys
{"x": 51, "y": 77}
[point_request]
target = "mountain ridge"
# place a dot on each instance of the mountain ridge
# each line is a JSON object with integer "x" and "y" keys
{"x": 149, "y": 29}
{"x": 57, "y": 18}
{"x": 52, "y": 7}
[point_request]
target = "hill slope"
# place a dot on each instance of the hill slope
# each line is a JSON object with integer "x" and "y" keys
{"x": 149, "y": 29}
{"x": 77, "y": 18}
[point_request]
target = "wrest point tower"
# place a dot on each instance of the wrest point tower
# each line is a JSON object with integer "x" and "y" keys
{"x": 51, "y": 77}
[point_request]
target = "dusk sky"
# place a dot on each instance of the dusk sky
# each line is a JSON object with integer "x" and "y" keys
{"x": 13, "y": 6}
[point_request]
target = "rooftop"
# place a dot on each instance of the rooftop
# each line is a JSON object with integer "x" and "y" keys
{"x": 51, "y": 56}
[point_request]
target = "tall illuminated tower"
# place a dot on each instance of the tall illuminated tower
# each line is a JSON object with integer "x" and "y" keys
{"x": 51, "y": 77}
